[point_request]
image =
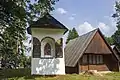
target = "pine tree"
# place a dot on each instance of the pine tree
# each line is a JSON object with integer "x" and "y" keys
{"x": 116, "y": 35}
{"x": 72, "y": 35}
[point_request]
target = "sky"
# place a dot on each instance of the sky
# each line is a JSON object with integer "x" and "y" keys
{"x": 86, "y": 15}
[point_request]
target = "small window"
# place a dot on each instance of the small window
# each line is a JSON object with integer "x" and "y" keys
{"x": 101, "y": 59}
{"x": 90, "y": 59}
{"x": 36, "y": 48}
{"x": 84, "y": 60}
{"x": 47, "y": 49}
{"x": 58, "y": 48}
{"x": 98, "y": 59}
{"x": 94, "y": 59}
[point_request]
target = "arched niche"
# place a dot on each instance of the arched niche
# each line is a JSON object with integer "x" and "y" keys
{"x": 47, "y": 47}
{"x": 36, "y": 48}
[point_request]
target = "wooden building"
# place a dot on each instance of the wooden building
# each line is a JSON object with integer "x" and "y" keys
{"x": 117, "y": 53}
{"x": 90, "y": 52}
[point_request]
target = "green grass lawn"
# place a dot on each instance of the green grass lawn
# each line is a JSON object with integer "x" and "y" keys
{"x": 24, "y": 74}
{"x": 112, "y": 76}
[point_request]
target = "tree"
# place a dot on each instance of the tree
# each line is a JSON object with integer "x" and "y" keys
{"x": 109, "y": 40}
{"x": 116, "y": 15}
{"x": 72, "y": 35}
{"x": 15, "y": 15}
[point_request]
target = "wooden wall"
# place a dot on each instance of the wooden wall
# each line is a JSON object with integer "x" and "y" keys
{"x": 118, "y": 55}
{"x": 98, "y": 45}
{"x": 109, "y": 64}
{"x": 71, "y": 70}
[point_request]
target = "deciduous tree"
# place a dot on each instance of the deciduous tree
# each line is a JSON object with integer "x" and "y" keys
{"x": 15, "y": 15}
{"x": 109, "y": 40}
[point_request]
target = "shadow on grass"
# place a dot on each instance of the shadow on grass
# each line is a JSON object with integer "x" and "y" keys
{"x": 30, "y": 77}
{"x": 17, "y": 77}
{"x": 14, "y": 73}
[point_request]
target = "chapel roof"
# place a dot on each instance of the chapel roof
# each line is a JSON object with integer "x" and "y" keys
{"x": 48, "y": 21}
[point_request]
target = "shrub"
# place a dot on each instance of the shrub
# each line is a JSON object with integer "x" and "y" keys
{"x": 9, "y": 73}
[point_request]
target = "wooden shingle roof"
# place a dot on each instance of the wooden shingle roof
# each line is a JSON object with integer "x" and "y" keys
{"x": 48, "y": 21}
{"x": 116, "y": 52}
{"x": 76, "y": 47}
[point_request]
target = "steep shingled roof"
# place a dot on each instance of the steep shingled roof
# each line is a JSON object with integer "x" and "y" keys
{"x": 48, "y": 21}
{"x": 116, "y": 52}
{"x": 76, "y": 47}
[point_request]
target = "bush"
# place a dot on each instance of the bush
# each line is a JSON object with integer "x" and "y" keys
{"x": 9, "y": 73}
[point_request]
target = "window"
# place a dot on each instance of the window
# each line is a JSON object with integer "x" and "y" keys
{"x": 98, "y": 59}
{"x": 84, "y": 60}
{"x": 92, "y": 59}
{"x": 36, "y": 48}
{"x": 58, "y": 48}
{"x": 101, "y": 59}
{"x": 47, "y": 49}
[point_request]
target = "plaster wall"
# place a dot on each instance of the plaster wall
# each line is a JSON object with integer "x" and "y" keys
{"x": 48, "y": 66}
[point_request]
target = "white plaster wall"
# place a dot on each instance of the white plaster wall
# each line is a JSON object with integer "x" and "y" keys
{"x": 54, "y": 66}
{"x": 48, "y": 66}
{"x": 41, "y": 33}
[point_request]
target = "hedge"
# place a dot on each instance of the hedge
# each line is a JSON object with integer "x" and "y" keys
{"x": 9, "y": 73}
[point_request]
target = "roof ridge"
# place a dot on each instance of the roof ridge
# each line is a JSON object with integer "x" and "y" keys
{"x": 48, "y": 21}
{"x": 90, "y": 31}
{"x": 84, "y": 42}
{"x": 85, "y": 34}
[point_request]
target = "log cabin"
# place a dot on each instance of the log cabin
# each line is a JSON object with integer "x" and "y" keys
{"x": 90, "y": 52}
{"x": 117, "y": 53}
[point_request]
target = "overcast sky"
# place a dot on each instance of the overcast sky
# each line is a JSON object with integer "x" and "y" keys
{"x": 86, "y": 15}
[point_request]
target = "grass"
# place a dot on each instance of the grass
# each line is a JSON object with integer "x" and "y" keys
{"x": 113, "y": 76}
{"x": 24, "y": 74}
{"x": 69, "y": 77}
{"x": 65, "y": 77}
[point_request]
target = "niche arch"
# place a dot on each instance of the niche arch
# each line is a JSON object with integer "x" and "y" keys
{"x": 47, "y": 47}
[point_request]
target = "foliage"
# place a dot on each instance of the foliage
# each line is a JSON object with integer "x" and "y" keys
{"x": 116, "y": 15}
{"x": 72, "y": 35}
{"x": 109, "y": 40}
{"x": 9, "y": 73}
{"x": 15, "y": 15}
